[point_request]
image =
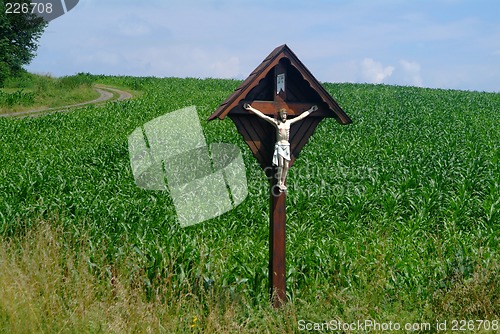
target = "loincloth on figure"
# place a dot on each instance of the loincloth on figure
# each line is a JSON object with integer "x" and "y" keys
{"x": 281, "y": 150}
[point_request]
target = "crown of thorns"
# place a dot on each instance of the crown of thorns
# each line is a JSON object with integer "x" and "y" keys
{"x": 282, "y": 111}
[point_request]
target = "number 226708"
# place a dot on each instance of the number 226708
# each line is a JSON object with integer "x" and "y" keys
{"x": 28, "y": 8}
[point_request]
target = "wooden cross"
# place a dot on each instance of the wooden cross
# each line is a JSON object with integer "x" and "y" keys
{"x": 277, "y": 229}
{"x": 281, "y": 81}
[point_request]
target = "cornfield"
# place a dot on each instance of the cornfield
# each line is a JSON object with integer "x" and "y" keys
{"x": 394, "y": 217}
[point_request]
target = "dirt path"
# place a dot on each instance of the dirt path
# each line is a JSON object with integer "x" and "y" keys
{"x": 122, "y": 95}
{"x": 105, "y": 94}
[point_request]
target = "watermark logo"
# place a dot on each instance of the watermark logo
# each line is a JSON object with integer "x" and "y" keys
{"x": 170, "y": 153}
{"x": 46, "y": 9}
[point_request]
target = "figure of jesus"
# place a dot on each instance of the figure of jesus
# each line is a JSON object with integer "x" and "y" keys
{"x": 281, "y": 156}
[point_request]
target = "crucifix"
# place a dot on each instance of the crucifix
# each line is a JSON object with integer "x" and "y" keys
{"x": 281, "y": 156}
{"x": 280, "y": 83}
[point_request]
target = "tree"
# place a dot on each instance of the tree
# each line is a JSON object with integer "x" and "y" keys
{"x": 19, "y": 35}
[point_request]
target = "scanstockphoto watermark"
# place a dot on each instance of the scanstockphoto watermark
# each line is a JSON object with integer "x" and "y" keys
{"x": 369, "y": 325}
{"x": 48, "y": 10}
{"x": 366, "y": 325}
{"x": 336, "y": 179}
{"x": 339, "y": 169}
{"x": 170, "y": 153}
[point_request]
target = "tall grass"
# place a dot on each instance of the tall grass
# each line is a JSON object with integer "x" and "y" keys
{"x": 50, "y": 286}
{"x": 17, "y": 98}
{"x": 48, "y": 289}
{"x": 30, "y": 91}
{"x": 392, "y": 218}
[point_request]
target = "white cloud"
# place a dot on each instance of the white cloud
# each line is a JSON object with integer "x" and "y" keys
{"x": 411, "y": 73}
{"x": 374, "y": 72}
{"x": 102, "y": 57}
{"x": 133, "y": 29}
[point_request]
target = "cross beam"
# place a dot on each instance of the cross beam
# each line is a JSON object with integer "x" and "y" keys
{"x": 270, "y": 108}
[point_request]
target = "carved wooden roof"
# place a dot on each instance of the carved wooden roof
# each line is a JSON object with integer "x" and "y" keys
{"x": 283, "y": 52}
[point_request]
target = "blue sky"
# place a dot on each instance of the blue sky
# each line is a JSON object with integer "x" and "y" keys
{"x": 451, "y": 44}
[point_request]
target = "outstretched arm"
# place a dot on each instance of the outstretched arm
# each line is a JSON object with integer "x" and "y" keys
{"x": 304, "y": 114}
{"x": 259, "y": 113}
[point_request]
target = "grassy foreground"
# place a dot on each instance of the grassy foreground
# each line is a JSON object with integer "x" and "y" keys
{"x": 29, "y": 91}
{"x": 394, "y": 218}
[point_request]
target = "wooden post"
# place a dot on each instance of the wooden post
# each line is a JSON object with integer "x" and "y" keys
{"x": 277, "y": 219}
{"x": 277, "y": 258}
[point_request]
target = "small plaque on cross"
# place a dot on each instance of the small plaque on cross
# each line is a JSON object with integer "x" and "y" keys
{"x": 280, "y": 83}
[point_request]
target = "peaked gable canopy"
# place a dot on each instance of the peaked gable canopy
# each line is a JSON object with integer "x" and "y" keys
{"x": 264, "y": 71}
{"x": 280, "y": 81}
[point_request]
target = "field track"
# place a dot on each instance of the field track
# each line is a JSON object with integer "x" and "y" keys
{"x": 106, "y": 94}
